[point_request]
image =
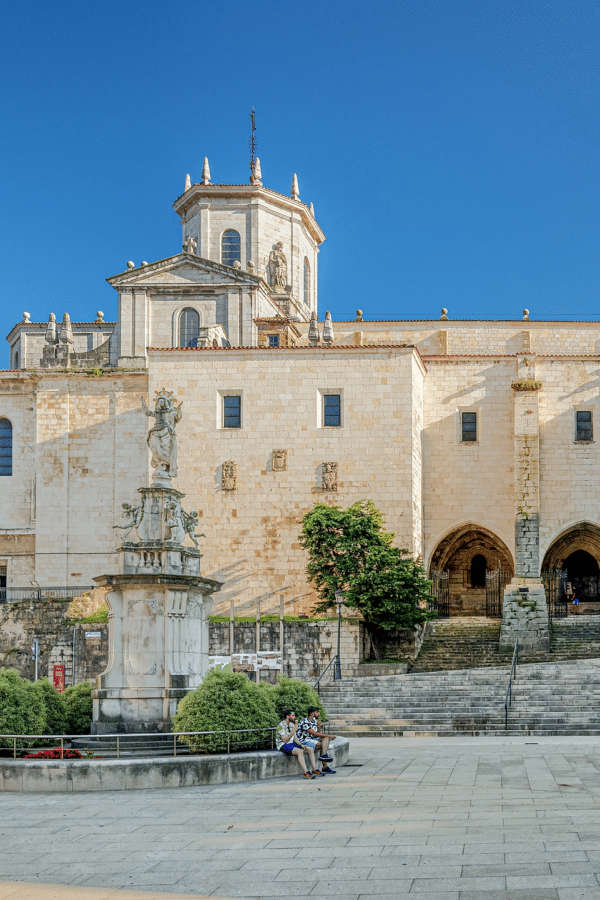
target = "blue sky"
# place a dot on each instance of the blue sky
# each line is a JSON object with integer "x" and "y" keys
{"x": 450, "y": 149}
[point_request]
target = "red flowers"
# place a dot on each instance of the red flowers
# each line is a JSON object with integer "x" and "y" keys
{"x": 54, "y": 753}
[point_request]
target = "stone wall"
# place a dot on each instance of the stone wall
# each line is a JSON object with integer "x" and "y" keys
{"x": 59, "y": 640}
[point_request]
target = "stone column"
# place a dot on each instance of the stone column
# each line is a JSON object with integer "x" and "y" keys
{"x": 525, "y": 612}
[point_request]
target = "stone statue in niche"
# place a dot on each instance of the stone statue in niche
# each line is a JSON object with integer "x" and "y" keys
{"x": 229, "y": 475}
{"x": 330, "y": 476}
{"x": 280, "y": 460}
{"x": 190, "y": 244}
{"x": 135, "y": 514}
{"x": 277, "y": 267}
{"x": 162, "y": 439}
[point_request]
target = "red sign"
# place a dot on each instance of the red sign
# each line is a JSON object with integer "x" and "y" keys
{"x": 58, "y": 677}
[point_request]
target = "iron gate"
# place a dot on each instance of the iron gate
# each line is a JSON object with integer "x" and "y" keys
{"x": 495, "y": 582}
{"x": 440, "y": 593}
{"x": 555, "y": 583}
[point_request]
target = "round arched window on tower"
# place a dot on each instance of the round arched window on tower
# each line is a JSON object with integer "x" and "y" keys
{"x": 231, "y": 247}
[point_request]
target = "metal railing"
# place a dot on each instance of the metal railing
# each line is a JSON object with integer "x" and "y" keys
{"x": 513, "y": 669}
{"x": 331, "y": 663}
{"x": 151, "y": 743}
{"x": 16, "y": 594}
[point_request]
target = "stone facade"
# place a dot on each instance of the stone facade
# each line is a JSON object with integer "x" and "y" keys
{"x": 518, "y": 494}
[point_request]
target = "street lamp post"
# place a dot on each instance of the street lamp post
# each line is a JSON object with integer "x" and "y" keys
{"x": 339, "y": 599}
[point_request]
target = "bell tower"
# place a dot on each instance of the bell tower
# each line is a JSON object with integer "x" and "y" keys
{"x": 255, "y": 229}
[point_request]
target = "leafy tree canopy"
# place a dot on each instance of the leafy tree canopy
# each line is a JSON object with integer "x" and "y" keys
{"x": 350, "y": 550}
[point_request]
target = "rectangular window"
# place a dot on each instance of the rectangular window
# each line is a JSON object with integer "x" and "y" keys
{"x": 583, "y": 425}
{"x": 468, "y": 429}
{"x": 332, "y": 410}
{"x": 232, "y": 411}
{"x": 273, "y": 340}
{"x": 3, "y": 575}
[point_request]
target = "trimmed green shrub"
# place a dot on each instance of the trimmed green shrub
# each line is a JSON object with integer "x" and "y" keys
{"x": 56, "y": 707}
{"x": 226, "y": 701}
{"x": 79, "y": 708}
{"x": 22, "y": 707}
{"x": 289, "y": 693}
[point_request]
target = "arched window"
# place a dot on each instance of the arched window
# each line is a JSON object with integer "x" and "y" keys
{"x": 306, "y": 281}
{"x": 478, "y": 570}
{"x": 5, "y": 447}
{"x": 189, "y": 327}
{"x": 231, "y": 247}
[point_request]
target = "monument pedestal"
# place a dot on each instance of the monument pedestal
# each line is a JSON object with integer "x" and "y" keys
{"x": 158, "y": 649}
{"x": 525, "y": 616}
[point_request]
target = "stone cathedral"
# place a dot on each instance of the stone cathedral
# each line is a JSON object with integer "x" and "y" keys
{"x": 476, "y": 439}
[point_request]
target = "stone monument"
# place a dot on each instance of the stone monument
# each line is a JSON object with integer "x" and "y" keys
{"x": 159, "y": 603}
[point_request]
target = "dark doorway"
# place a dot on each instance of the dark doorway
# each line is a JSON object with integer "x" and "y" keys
{"x": 583, "y": 575}
{"x": 478, "y": 570}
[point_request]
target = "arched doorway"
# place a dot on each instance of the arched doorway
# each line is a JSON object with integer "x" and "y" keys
{"x": 572, "y": 565}
{"x": 474, "y": 558}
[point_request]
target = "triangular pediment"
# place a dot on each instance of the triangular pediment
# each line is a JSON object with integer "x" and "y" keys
{"x": 182, "y": 270}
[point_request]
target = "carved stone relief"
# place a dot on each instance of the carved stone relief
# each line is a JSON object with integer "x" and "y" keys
{"x": 330, "y": 476}
{"x": 229, "y": 475}
{"x": 280, "y": 460}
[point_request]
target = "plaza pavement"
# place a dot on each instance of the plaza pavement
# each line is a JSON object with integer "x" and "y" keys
{"x": 421, "y": 818}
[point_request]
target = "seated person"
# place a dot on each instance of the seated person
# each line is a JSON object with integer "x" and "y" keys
{"x": 286, "y": 731}
{"x": 308, "y": 735}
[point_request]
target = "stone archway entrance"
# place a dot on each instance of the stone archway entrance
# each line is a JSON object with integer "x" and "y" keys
{"x": 470, "y": 555}
{"x": 572, "y": 562}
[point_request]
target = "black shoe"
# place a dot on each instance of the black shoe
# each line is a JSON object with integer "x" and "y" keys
{"x": 325, "y": 757}
{"x": 327, "y": 770}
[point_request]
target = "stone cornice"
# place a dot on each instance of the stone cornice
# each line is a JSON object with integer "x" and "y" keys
{"x": 133, "y": 276}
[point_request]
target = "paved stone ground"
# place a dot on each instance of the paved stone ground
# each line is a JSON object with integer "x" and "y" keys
{"x": 426, "y": 819}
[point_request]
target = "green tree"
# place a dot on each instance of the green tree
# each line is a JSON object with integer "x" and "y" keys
{"x": 350, "y": 550}
{"x": 56, "y": 707}
{"x": 79, "y": 708}
{"x": 226, "y": 702}
{"x": 22, "y": 707}
{"x": 289, "y": 693}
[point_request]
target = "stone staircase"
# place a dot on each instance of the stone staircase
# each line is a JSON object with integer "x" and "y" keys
{"x": 548, "y": 698}
{"x": 452, "y": 644}
{"x": 458, "y": 686}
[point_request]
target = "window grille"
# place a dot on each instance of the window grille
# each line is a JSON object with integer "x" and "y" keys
{"x": 231, "y": 247}
{"x": 332, "y": 410}
{"x": 306, "y": 281}
{"x": 5, "y": 447}
{"x": 468, "y": 426}
{"x": 273, "y": 340}
{"x": 189, "y": 327}
{"x": 583, "y": 430}
{"x": 232, "y": 412}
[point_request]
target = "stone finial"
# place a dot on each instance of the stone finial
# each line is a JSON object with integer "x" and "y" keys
{"x": 26, "y": 317}
{"x": 525, "y": 315}
{"x": 100, "y": 317}
{"x": 311, "y": 209}
{"x": 188, "y": 183}
{"x": 359, "y": 315}
{"x": 130, "y": 264}
{"x": 295, "y": 189}
{"x": 444, "y": 315}
{"x": 250, "y": 267}
{"x": 237, "y": 264}
{"x": 313, "y": 329}
{"x": 205, "y": 171}
{"x": 144, "y": 262}
{"x": 256, "y": 177}
{"x": 66, "y": 332}
{"x": 328, "y": 336}
{"x": 51, "y": 330}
